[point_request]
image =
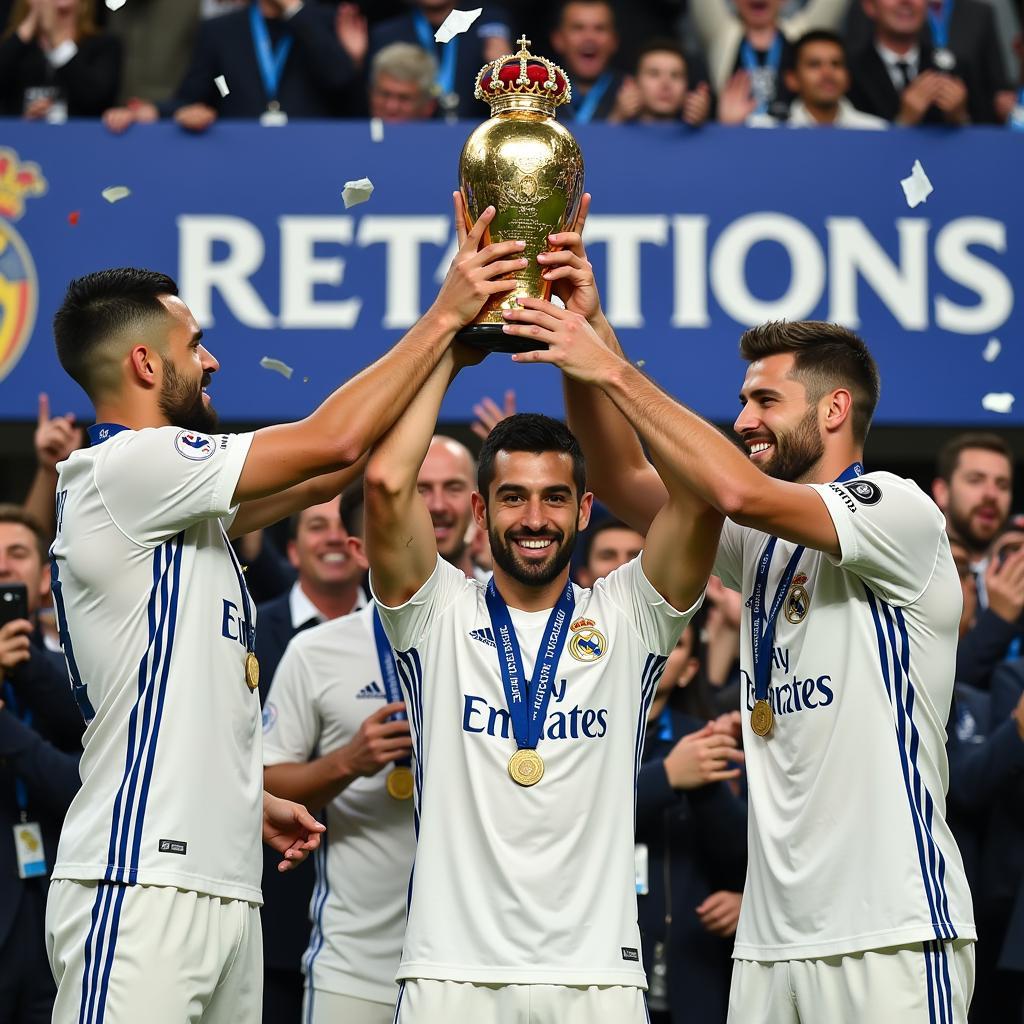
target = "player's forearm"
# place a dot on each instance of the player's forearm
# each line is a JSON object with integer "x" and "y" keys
{"x": 314, "y": 783}
{"x": 41, "y": 500}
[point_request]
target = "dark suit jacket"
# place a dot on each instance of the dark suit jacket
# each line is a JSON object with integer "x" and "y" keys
{"x": 44, "y": 755}
{"x": 697, "y": 844}
{"x": 316, "y": 79}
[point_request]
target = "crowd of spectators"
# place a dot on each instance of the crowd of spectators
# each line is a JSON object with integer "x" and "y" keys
{"x": 847, "y": 63}
{"x": 691, "y": 811}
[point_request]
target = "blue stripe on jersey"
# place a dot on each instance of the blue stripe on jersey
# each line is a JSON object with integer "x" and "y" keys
{"x": 929, "y": 970}
{"x": 96, "y": 980}
{"x": 411, "y": 678}
{"x": 398, "y": 1005}
{"x": 654, "y": 668}
{"x": 78, "y": 687}
{"x": 894, "y": 689}
{"x": 109, "y": 964}
{"x": 92, "y": 941}
{"x": 316, "y": 939}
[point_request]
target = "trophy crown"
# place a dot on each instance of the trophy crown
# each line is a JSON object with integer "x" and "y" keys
{"x": 523, "y": 75}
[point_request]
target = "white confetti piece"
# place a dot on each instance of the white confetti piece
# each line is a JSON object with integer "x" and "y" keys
{"x": 115, "y": 5}
{"x": 992, "y": 350}
{"x": 917, "y": 188}
{"x": 456, "y": 23}
{"x": 277, "y": 366}
{"x": 222, "y": 85}
{"x": 356, "y": 192}
{"x": 305, "y": 380}
{"x": 641, "y": 363}
{"x": 116, "y": 193}
{"x": 376, "y": 129}
{"x": 998, "y": 401}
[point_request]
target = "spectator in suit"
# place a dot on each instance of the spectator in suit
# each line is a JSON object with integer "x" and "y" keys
{"x": 691, "y": 832}
{"x": 54, "y": 64}
{"x": 459, "y": 60}
{"x": 328, "y": 555}
{"x": 40, "y": 742}
{"x": 660, "y": 92}
{"x": 903, "y": 76}
{"x": 586, "y": 41}
{"x": 281, "y": 59}
{"x": 402, "y": 84}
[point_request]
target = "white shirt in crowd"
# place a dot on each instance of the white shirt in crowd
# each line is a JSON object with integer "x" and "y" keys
{"x": 848, "y": 117}
{"x": 849, "y": 847}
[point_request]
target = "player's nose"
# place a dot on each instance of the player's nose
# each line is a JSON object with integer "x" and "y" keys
{"x": 209, "y": 361}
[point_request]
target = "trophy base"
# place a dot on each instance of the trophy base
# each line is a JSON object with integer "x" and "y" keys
{"x": 491, "y": 338}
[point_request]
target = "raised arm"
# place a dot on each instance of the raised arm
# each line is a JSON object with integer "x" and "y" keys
{"x": 347, "y": 423}
{"x": 683, "y": 444}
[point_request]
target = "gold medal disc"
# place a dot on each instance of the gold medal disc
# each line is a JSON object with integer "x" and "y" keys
{"x": 252, "y": 671}
{"x": 526, "y": 767}
{"x": 400, "y": 783}
{"x": 761, "y": 718}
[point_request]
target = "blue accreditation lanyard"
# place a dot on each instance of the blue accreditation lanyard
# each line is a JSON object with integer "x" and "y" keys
{"x": 100, "y": 432}
{"x": 449, "y": 53}
{"x": 528, "y": 702}
{"x": 763, "y": 77}
{"x": 665, "y": 731}
{"x": 588, "y": 107}
{"x": 270, "y": 60}
{"x": 20, "y": 789}
{"x": 938, "y": 19}
{"x": 388, "y": 672}
{"x": 762, "y": 625}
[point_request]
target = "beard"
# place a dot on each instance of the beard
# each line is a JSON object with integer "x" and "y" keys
{"x": 534, "y": 574}
{"x": 183, "y": 404}
{"x": 962, "y": 526}
{"x": 797, "y": 451}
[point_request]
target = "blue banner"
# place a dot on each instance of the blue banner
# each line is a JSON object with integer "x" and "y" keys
{"x": 694, "y": 236}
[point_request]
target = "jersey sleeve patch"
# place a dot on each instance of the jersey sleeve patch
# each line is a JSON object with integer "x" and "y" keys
{"x": 867, "y": 492}
{"x": 194, "y": 446}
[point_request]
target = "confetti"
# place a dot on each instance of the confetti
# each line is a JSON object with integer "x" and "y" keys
{"x": 116, "y": 193}
{"x": 277, "y": 366}
{"x": 456, "y": 23}
{"x": 992, "y": 350}
{"x": 641, "y": 363}
{"x": 917, "y": 188}
{"x": 73, "y": 217}
{"x": 305, "y": 380}
{"x": 115, "y": 5}
{"x": 222, "y": 85}
{"x": 376, "y": 129}
{"x": 356, "y": 192}
{"x": 998, "y": 401}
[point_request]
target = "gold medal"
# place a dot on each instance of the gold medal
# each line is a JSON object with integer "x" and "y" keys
{"x": 252, "y": 671}
{"x": 400, "y": 783}
{"x": 761, "y": 718}
{"x": 526, "y": 767}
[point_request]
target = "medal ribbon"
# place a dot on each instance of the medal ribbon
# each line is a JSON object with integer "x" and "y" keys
{"x": 247, "y": 605}
{"x": 449, "y": 53}
{"x": 759, "y": 72}
{"x": 270, "y": 60}
{"x": 100, "y": 432}
{"x": 938, "y": 18}
{"x": 388, "y": 673}
{"x": 588, "y": 105}
{"x": 528, "y": 702}
{"x": 762, "y": 626}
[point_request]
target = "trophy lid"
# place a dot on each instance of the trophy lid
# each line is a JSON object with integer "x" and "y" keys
{"x": 524, "y": 81}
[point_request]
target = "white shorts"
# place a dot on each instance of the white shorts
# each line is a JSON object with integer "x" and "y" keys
{"x": 421, "y": 1001}
{"x": 925, "y": 983}
{"x": 121, "y": 954}
{"x": 320, "y": 1007}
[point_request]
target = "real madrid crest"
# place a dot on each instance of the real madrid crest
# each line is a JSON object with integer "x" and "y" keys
{"x": 798, "y": 601}
{"x": 587, "y": 642}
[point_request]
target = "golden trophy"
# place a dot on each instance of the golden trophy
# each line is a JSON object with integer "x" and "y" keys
{"x": 529, "y": 168}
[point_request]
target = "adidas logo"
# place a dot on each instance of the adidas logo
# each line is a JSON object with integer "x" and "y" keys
{"x": 485, "y": 636}
{"x": 370, "y": 691}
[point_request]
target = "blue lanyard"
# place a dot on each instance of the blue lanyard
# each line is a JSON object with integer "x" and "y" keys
{"x": 762, "y": 625}
{"x": 528, "y": 721}
{"x": 247, "y": 603}
{"x": 449, "y": 53}
{"x": 388, "y": 671}
{"x": 665, "y": 731}
{"x": 271, "y": 61}
{"x": 100, "y": 432}
{"x": 20, "y": 789}
{"x": 588, "y": 107}
{"x": 938, "y": 19}
{"x": 772, "y": 63}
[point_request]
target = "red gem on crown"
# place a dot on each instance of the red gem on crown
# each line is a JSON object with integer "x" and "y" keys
{"x": 524, "y": 74}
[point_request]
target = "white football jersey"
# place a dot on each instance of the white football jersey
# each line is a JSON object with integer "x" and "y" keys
{"x": 849, "y": 847}
{"x": 150, "y": 604}
{"x": 534, "y": 885}
{"x": 329, "y": 681}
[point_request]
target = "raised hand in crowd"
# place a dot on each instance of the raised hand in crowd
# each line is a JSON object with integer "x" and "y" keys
{"x": 702, "y": 757}
{"x": 697, "y": 105}
{"x": 720, "y": 913}
{"x": 1004, "y": 584}
{"x": 195, "y": 117}
{"x": 14, "y": 645}
{"x": 56, "y": 437}
{"x": 352, "y": 31}
{"x": 489, "y": 414}
{"x": 628, "y": 102}
{"x": 951, "y": 99}
{"x": 120, "y": 119}
{"x": 737, "y": 101}
{"x": 43, "y": 25}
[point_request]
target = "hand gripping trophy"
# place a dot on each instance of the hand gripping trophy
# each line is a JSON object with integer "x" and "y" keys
{"x": 529, "y": 168}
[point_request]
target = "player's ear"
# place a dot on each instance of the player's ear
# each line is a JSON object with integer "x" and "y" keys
{"x": 586, "y": 506}
{"x": 357, "y": 552}
{"x": 838, "y": 409}
{"x": 479, "y": 510}
{"x": 144, "y": 362}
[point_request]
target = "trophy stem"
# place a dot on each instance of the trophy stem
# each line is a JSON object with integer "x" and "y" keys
{"x": 492, "y": 338}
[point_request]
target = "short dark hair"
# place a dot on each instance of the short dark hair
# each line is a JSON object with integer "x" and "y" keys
{"x": 663, "y": 45}
{"x": 530, "y": 432}
{"x": 352, "y": 509}
{"x": 589, "y": 538}
{"x": 817, "y": 35}
{"x": 949, "y": 454}
{"x": 827, "y": 356}
{"x": 10, "y": 513}
{"x": 586, "y": 3}
{"x": 100, "y": 305}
